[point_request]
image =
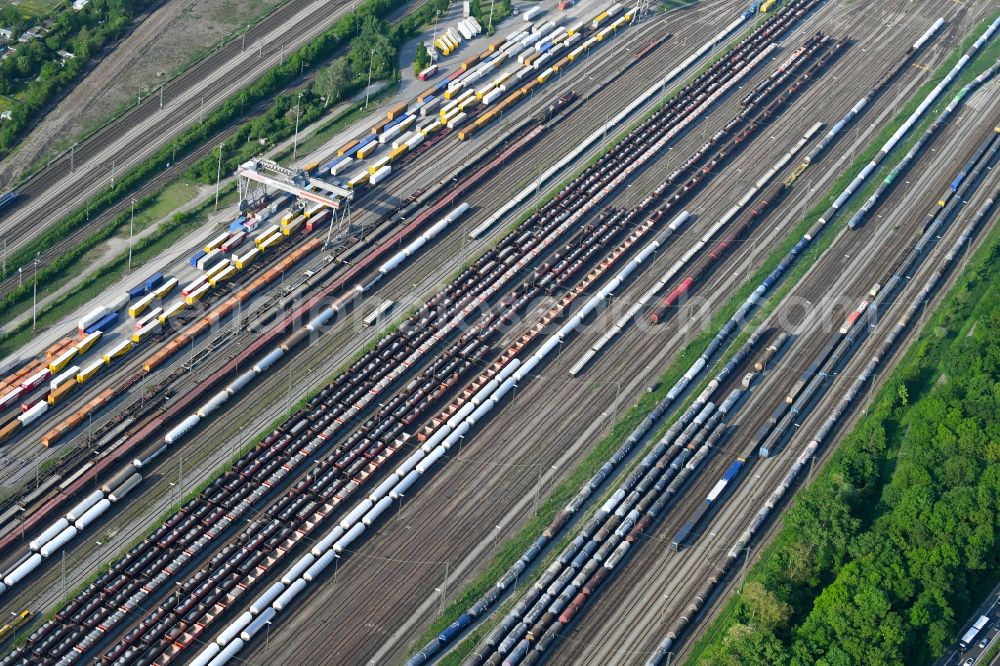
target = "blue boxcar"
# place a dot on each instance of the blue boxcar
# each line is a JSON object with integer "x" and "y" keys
{"x": 197, "y": 257}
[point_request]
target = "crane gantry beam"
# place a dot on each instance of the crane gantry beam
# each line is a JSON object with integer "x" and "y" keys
{"x": 271, "y": 174}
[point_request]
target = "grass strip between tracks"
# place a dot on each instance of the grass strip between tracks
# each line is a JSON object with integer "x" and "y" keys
{"x": 914, "y": 376}
{"x": 510, "y": 551}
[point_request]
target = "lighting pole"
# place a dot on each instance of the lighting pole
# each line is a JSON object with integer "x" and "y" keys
{"x": 34, "y": 296}
{"x": 131, "y": 227}
{"x": 368, "y": 90}
{"x": 295, "y": 140}
{"x": 218, "y": 178}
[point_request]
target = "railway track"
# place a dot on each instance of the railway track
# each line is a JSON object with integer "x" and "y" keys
{"x": 446, "y": 252}
{"x": 376, "y": 220}
{"x": 420, "y": 563}
{"x": 68, "y": 611}
{"x": 615, "y": 617}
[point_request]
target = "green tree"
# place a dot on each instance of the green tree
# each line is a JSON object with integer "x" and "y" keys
{"x": 422, "y": 59}
{"x": 333, "y": 80}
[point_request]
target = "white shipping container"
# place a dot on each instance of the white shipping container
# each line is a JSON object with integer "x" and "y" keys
{"x": 34, "y": 413}
{"x": 415, "y": 140}
{"x": 341, "y": 166}
{"x": 458, "y": 120}
{"x": 492, "y": 96}
{"x": 401, "y": 139}
{"x": 119, "y": 303}
{"x": 209, "y": 259}
{"x": 429, "y": 106}
{"x": 388, "y": 135}
{"x": 380, "y": 175}
{"x": 531, "y": 14}
{"x": 92, "y": 317}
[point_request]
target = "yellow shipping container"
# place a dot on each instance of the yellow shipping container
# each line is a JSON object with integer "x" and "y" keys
{"x": 166, "y": 287}
{"x": 247, "y": 259}
{"x": 271, "y": 242}
{"x": 171, "y": 310}
{"x": 62, "y": 360}
{"x": 119, "y": 349}
{"x": 83, "y": 346}
{"x": 292, "y": 228}
{"x": 88, "y": 371}
{"x": 359, "y": 179}
{"x": 136, "y": 308}
{"x": 267, "y": 233}
{"x": 146, "y": 331}
{"x": 63, "y": 390}
{"x": 200, "y": 292}
{"x": 368, "y": 150}
{"x": 218, "y": 268}
{"x": 378, "y": 164}
{"x": 228, "y": 273}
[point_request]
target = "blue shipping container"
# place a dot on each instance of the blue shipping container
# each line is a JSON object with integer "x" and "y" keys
{"x": 137, "y": 291}
{"x": 197, "y": 257}
{"x": 154, "y": 281}
{"x": 102, "y": 324}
